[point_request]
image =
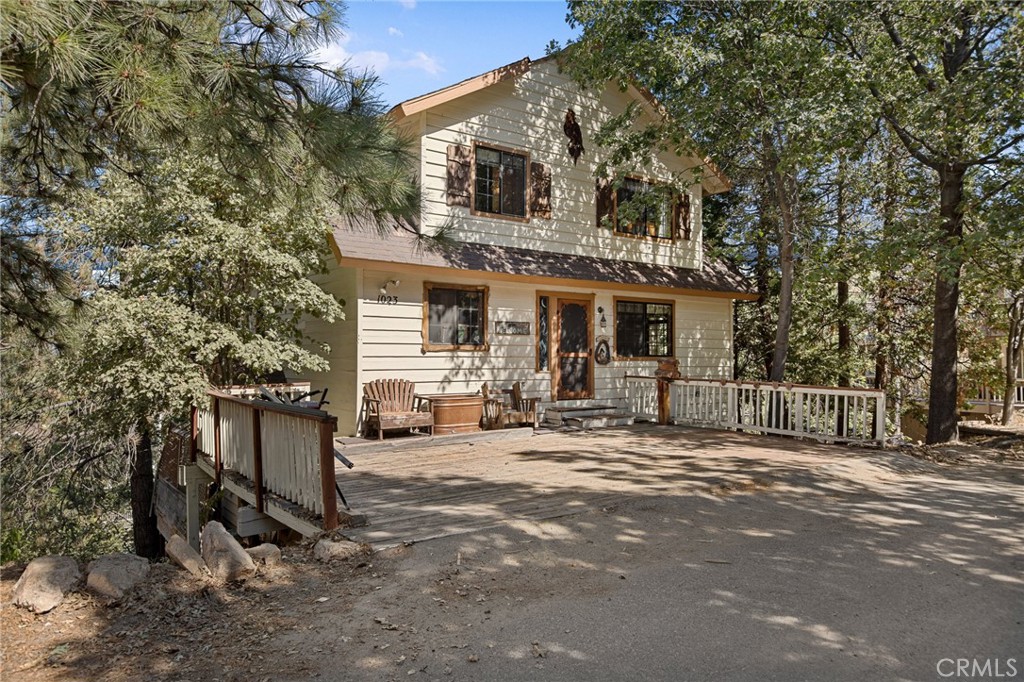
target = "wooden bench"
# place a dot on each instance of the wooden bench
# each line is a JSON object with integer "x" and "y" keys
{"x": 390, "y": 404}
{"x": 508, "y": 407}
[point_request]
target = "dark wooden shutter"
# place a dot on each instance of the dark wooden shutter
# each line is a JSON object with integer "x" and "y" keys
{"x": 540, "y": 190}
{"x": 459, "y": 175}
{"x": 681, "y": 216}
{"x": 605, "y": 200}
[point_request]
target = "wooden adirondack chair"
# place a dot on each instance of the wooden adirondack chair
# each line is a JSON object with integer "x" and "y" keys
{"x": 508, "y": 406}
{"x": 394, "y": 404}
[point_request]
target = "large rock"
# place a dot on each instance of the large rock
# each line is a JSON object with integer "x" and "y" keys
{"x": 181, "y": 553}
{"x": 112, "y": 575}
{"x": 45, "y": 582}
{"x": 223, "y": 555}
{"x": 267, "y": 554}
{"x": 330, "y": 550}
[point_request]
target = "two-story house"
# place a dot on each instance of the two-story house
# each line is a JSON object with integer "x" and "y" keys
{"x": 549, "y": 282}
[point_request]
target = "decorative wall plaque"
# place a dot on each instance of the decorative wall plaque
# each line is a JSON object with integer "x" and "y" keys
{"x": 512, "y": 328}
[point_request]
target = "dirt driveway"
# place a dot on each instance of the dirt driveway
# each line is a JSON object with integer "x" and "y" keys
{"x": 748, "y": 559}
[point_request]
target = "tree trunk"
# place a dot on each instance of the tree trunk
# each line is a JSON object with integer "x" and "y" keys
{"x": 764, "y": 327}
{"x": 148, "y": 541}
{"x": 787, "y": 272}
{"x": 943, "y": 398}
{"x": 843, "y": 284}
{"x": 1014, "y": 341}
{"x": 883, "y": 346}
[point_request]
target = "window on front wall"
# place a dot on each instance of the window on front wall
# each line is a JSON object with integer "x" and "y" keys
{"x": 643, "y": 329}
{"x": 641, "y": 210}
{"x": 456, "y": 318}
{"x": 500, "y": 178}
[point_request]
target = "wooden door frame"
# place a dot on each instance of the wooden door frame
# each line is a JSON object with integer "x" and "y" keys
{"x": 555, "y": 337}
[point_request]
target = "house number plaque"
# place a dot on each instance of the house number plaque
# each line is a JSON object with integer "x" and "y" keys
{"x": 512, "y": 328}
{"x": 387, "y": 300}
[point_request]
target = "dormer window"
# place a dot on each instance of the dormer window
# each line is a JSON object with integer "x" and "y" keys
{"x": 500, "y": 178}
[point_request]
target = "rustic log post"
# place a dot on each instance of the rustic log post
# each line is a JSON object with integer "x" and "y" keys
{"x": 257, "y": 459}
{"x": 216, "y": 440}
{"x": 664, "y": 402}
{"x": 327, "y": 428}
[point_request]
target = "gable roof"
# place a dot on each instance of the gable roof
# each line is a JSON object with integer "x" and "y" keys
{"x": 355, "y": 246}
{"x": 714, "y": 182}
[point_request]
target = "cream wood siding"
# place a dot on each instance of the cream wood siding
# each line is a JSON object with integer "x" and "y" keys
{"x": 527, "y": 114}
{"x": 344, "y": 392}
{"x": 391, "y": 339}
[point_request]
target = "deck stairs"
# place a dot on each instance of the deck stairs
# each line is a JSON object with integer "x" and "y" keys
{"x": 586, "y": 417}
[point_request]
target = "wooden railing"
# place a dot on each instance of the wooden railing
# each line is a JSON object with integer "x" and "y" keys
{"x": 823, "y": 413}
{"x": 989, "y": 395}
{"x": 284, "y": 450}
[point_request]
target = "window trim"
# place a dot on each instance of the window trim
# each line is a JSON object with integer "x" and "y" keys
{"x": 672, "y": 326}
{"x": 526, "y": 181}
{"x": 671, "y": 239}
{"x": 429, "y": 347}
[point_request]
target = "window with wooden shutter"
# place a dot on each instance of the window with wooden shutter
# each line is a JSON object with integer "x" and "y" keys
{"x": 500, "y": 182}
{"x": 540, "y": 190}
{"x": 459, "y": 175}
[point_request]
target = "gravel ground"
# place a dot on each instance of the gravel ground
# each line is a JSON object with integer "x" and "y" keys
{"x": 866, "y": 566}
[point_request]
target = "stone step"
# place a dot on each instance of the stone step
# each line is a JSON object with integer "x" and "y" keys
{"x": 599, "y": 421}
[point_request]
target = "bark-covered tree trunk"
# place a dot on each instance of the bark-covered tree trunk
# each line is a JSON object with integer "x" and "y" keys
{"x": 843, "y": 284}
{"x": 943, "y": 398}
{"x": 148, "y": 541}
{"x": 883, "y": 346}
{"x": 1014, "y": 341}
{"x": 787, "y": 270}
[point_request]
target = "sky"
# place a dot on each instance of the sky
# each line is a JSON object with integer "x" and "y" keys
{"x": 417, "y": 46}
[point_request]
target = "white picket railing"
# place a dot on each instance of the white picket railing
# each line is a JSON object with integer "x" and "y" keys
{"x": 282, "y": 449}
{"x": 830, "y": 414}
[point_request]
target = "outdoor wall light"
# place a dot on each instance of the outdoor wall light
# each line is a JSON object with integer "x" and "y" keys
{"x": 389, "y": 283}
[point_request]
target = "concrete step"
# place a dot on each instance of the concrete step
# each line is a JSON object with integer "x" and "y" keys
{"x": 556, "y": 415}
{"x": 599, "y": 421}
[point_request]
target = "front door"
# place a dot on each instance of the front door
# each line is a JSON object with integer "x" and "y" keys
{"x": 573, "y": 369}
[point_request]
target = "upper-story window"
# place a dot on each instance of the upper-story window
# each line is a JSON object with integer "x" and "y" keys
{"x": 641, "y": 211}
{"x": 500, "y": 178}
{"x": 502, "y": 183}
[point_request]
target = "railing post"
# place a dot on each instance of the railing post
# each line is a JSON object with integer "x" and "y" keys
{"x": 880, "y": 419}
{"x": 193, "y": 447}
{"x": 330, "y": 500}
{"x": 664, "y": 402}
{"x": 216, "y": 440}
{"x": 257, "y": 459}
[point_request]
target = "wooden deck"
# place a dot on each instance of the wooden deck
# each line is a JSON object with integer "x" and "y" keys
{"x": 430, "y": 492}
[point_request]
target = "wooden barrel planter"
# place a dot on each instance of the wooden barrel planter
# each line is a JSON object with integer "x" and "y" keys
{"x": 456, "y": 412}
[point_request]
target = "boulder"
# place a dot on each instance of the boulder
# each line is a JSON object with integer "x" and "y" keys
{"x": 223, "y": 555}
{"x": 267, "y": 554}
{"x": 112, "y": 575}
{"x": 330, "y": 550}
{"x": 45, "y": 582}
{"x": 181, "y": 553}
